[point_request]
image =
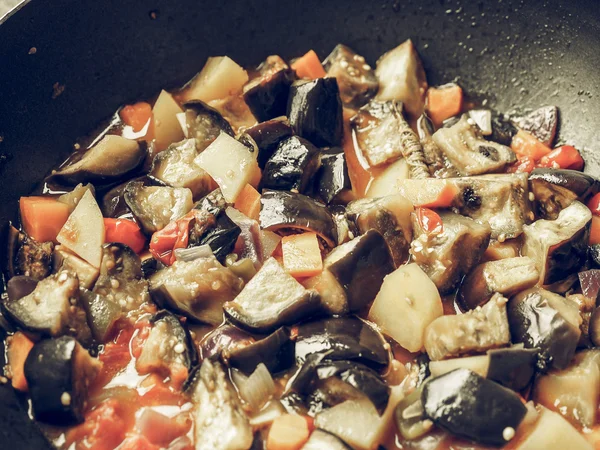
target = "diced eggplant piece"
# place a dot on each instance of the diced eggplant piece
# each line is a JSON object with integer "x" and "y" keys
{"x": 333, "y": 295}
{"x": 347, "y": 338}
{"x": 512, "y": 367}
{"x": 401, "y": 77}
{"x": 59, "y": 372}
{"x": 155, "y": 207}
{"x": 20, "y": 286}
{"x": 594, "y": 327}
{"x": 552, "y": 431}
{"x": 503, "y": 130}
{"x": 197, "y": 288}
{"x": 559, "y": 247}
{"x": 438, "y": 164}
{"x": 483, "y": 120}
{"x": 65, "y": 260}
{"x": 102, "y": 314}
{"x": 271, "y": 299}
{"x": 476, "y": 331}
{"x": 267, "y": 94}
{"x": 472, "y": 407}
{"x": 359, "y": 266}
{"x": 221, "y": 237}
{"x": 391, "y": 216}
{"x": 573, "y": 392}
{"x": 281, "y": 210}
{"x": 276, "y": 352}
{"x": 204, "y": 123}
{"x": 542, "y": 319}
{"x": 112, "y": 158}
{"x": 469, "y": 152}
{"x": 176, "y": 167}
{"x": 52, "y": 308}
{"x": 113, "y": 201}
{"x": 315, "y": 111}
{"x": 405, "y": 306}
{"x": 292, "y": 166}
{"x": 71, "y": 199}
{"x": 555, "y": 189}
{"x": 448, "y": 256}
{"x": 507, "y": 276}
{"x": 267, "y": 136}
{"x": 541, "y": 123}
{"x": 357, "y": 81}
{"x": 169, "y": 348}
{"x": 332, "y": 183}
{"x": 223, "y": 339}
{"x": 589, "y": 280}
{"x": 322, "y": 440}
{"x": 220, "y": 423}
{"x": 410, "y": 416}
{"x": 28, "y": 257}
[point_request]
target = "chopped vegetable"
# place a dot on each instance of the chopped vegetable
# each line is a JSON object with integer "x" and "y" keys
{"x": 444, "y": 102}
{"x": 302, "y": 255}
{"x": 288, "y": 432}
{"x": 220, "y": 77}
{"x": 126, "y": 232}
{"x": 137, "y": 115}
{"x": 309, "y": 66}
{"x": 552, "y": 431}
{"x": 43, "y": 217}
{"x": 248, "y": 202}
{"x": 595, "y": 231}
{"x": 527, "y": 146}
{"x": 565, "y": 157}
{"x": 19, "y": 347}
{"x": 166, "y": 125}
{"x": 541, "y": 123}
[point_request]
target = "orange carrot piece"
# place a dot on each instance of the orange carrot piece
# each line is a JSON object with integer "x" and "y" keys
{"x": 288, "y": 432}
{"x": 302, "y": 255}
{"x": 309, "y": 66}
{"x": 18, "y": 348}
{"x": 248, "y": 202}
{"x": 444, "y": 102}
{"x": 136, "y": 115}
{"x": 43, "y": 217}
{"x": 595, "y": 231}
{"x": 256, "y": 177}
{"x": 525, "y": 145}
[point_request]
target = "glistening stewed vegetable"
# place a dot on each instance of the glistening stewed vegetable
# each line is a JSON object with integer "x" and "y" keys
{"x": 332, "y": 182}
{"x": 267, "y": 136}
{"x": 204, "y": 124}
{"x": 541, "y": 123}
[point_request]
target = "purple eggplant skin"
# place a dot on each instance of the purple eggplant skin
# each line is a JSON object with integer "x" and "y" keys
{"x": 315, "y": 111}
{"x": 594, "y": 327}
{"x": 541, "y": 123}
{"x": 555, "y": 189}
{"x": 292, "y": 166}
{"x": 589, "y": 280}
{"x": 470, "y": 406}
{"x": 594, "y": 256}
{"x": 343, "y": 338}
{"x": 512, "y": 367}
{"x": 26, "y": 256}
{"x": 276, "y": 352}
{"x": 267, "y": 95}
{"x": 58, "y": 373}
{"x": 181, "y": 332}
{"x": 267, "y": 136}
{"x": 503, "y": 130}
{"x": 223, "y": 338}
{"x": 204, "y": 123}
{"x": 20, "y": 286}
{"x": 332, "y": 178}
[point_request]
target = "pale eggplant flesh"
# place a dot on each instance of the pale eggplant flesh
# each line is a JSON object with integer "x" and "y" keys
{"x": 204, "y": 123}
{"x": 28, "y": 257}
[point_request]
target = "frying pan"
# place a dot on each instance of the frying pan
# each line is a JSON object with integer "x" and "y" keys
{"x": 65, "y": 65}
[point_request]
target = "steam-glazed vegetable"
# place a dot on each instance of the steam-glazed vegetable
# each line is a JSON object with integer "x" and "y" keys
{"x": 28, "y": 257}
{"x": 449, "y": 255}
{"x": 282, "y": 210}
{"x": 315, "y": 111}
{"x": 359, "y": 267}
{"x": 387, "y": 182}
{"x": 589, "y": 281}
{"x": 470, "y": 406}
{"x": 559, "y": 246}
{"x": 401, "y": 77}
{"x": 223, "y": 339}
{"x": 469, "y": 152}
{"x": 347, "y": 338}
{"x": 220, "y": 77}
{"x": 176, "y": 167}
{"x": 267, "y": 136}
{"x": 292, "y": 165}
{"x": 476, "y": 331}
{"x": 541, "y": 123}
{"x": 204, "y": 124}
{"x": 267, "y": 94}
{"x": 155, "y": 207}
{"x": 102, "y": 314}
{"x": 391, "y": 216}
{"x": 219, "y": 420}
{"x": 555, "y": 189}
{"x": 406, "y": 304}
{"x": 271, "y": 299}
{"x": 512, "y": 367}
{"x": 59, "y": 372}
{"x": 545, "y": 320}
{"x": 168, "y": 350}
{"x": 410, "y": 417}
{"x": 553, "y": 431}
{"x": 507, "y": 276}
{"x": 65, "y": 260}
{"x": 110, "y": 159}
{"x": 573, "y": 392}
{"x": 197, "y": 288}
{"x": 356, "y": 79}
{"x": 320, "y": 440}
{"x": 332, "y": 182}
{"x": 276, "y": 352}
{"x": 52, "y": 308}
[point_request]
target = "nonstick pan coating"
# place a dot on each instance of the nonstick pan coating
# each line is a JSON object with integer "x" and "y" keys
{"x": 66, "y": 65}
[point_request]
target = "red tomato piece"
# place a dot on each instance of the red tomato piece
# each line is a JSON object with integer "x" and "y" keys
{"x": 595, "y": 231}
{"x": 126, "y": 232}
{"x": 525, "y": 164}
{"x": 138, "y": 443}
{"x": 594, "y": 204}
{"x": 104, "y": 428}
{"x": 565, "y": 157}
{"x": 429, "y": 220}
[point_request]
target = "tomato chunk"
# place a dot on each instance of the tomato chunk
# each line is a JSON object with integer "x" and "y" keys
{"x": 126, "y": 232}
{"x": 565, "y": 157}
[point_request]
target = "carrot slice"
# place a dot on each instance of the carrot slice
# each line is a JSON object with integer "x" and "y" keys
{"x": 444, "y": 102}
{"x": 288, "y": 432}
{"x": 595, "y": 231}
{"x": 43, "y": 217}
{"x": 302, "y": 255}
{"x": 526, "y": 145}
{"x": 19, "y": 346}
{"x": 137, "y": 115}
{"x": 248, "y": 202}
{"x": 309, "y": 66}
